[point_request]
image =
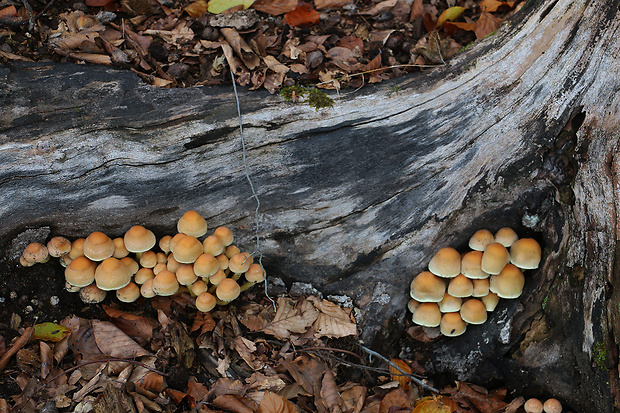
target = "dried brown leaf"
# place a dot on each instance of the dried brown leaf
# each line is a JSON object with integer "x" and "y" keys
{"x": 486, "y": 24}
{"x": 395, "y": 398}
{"x": 243, "y": 50}
{"x": 235, "y": 403}
{"x": 306, "y": 371}
{"x": 197, "y": 390}
{"x": 9, "y": 11}
{"x": 303, "y": 15}
{"x": 332, "y": 321}
{"x": 330, "y": 4}
{"x": 273, "y": 64}
{"x": 274, "y": 7}
{"x": 354, "y": 398}
{"x": 330, "y": 395}
{"x": 260, "y": 382}
{"x": 111, "y": 340}
{"x": 245, "y": 348}
{"x": 196, "y": 8}
{"x": 379, "y": 7}
{"x": 225, "y": 385}
{"x": 203, "y": 322}
{"x": 492, "y": 5}
{"x": 291, "y": 319}
{"x": 396, "y": 374}
{"x": 417, "y": 10}
{"x": 274, "y": 403}
{"x": 47, "y": 358}
{"x": 131, "y": 324}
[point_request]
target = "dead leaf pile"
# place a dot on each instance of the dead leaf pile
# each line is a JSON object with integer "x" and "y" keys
{"x": 274, "y": 43}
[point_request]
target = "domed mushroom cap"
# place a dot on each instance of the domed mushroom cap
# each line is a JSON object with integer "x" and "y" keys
{"x": 222, "y": 261}
{"x": 146, "y": 289}
{"x": 131, "y": 264}
{"x": 490, "y": 301}
{"x": 473, "y": 311}
{"x": 112, "y": 274}
{"x": 198, "y": 287}
{"x": 119, "y": 248}
{"x": 494, "y": 258}
{"x": 77, "y": 248}
{"x": 481, "y": 287}
{"x": 139, "y": 239}
{"x": 143, "y": 275}
{"x": 460, "y": 286}
{"x": 231, "y": 250}
{"x": 412, "y": 305}
{"x": 552, "y": 406}
{"x": 427, "y": 315}
{"x": 129, "y": 293}
{"x": 227, "y": 290}
{"x": 452, "y": 324}
{"x": 187, "y": 249}
{"x": 165, "y": 283}
{"x": 225, "y": 235}
{"x": 427, "y": 287}
{"x": 481, "y": 240}
{"x": 164, "y": 243}
{"x": 525, "y": 253}
{"x": 186, "y": 275}
{"x": 506, "y": 236}
{"x": 206, "y": 265}
{"x": 98, "y": 246}
{"x": 446, "y": 263}
{"x": 533, "y": 406}
{"x": 255, "y": 273}
{"x": 80, "y": 272}
{"x": 91, "y": 294}
{"x": 217, "y": 278}
{"x": 450, "y": 304}
{"x": 58, "y": 246}
{"x": 471, "y": 265}
{"x": 35, "y": 253}
{"x": 213, "y": 245}
{"x": 240, "y": 263}
{"x": 508, "y": 283}
{"x": 172, "y": 264}
{"x": 205, "y": 302}
{"x": 148, "y": 259}
{"x": 192, "y": 223}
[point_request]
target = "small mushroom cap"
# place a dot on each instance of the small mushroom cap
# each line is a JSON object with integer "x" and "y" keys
{"x": 25, "y": 263}
{"x": 450, "y": 304}
{"x": 217, "y": 278}
{"x": 198, "y": 287}
{"x": 473, "y": 311}
{"x": 412, "y": 305}
{"x": 80, "y": 272}
{"x": 172, "y": 264}
{"x": 460, "y": 286}
{"x": 192, "y": 223}
{"x": 98, "y": 246}
{"x": 175, "y": 239}
{"x": 91, "y": 294}
{"x": 186, "y": 275}
{"x": 225, "y": 235}
{"x": 143, "y": 275}
{"x": 165, "y": 283}
{"x": 213, "y": 245}
{"x": 58, "y": 246}
{"x": 506, "y": 236}
{"x": 471, "y": 265}
{"x": 119, "y": 248}
{"x": 161, "y": 257}
{"x": 481, "y": 240}
{"x": 552, "y": 406}
{"x": 205, "y": 302}
{"x": 231, "y": 250}
{"x": 206, "y": 265}
{"x": 148, "y": 259}
{"x": 112, "y": 274}
{"x": 446, "y": 263}
{"x": 222, "y": 260}
{"x": 77, "y": 248}
{"x": 129, "y": 293}
{"x": 164, "y": 243}
{"x": 240, "y": 263}
{"x": 490, "y": 301}
{"x": 227, "y": 290}
{"x": 494, "y": 258}
{"x": 35, "y": 252}
{"x": 481, "y": 287}
{"x": 139, "y": 239}
{"x": 525, "y": 253}
{"x": 71, "y": 288}
{"x": 65, "y": 260}
{"x": 452, "y": 324}
{"x": 533, "y": 406}
{"x": 427, "y": 314}
{"x": 187, "y": 249}
{"x": 427, "y": 287}
{"x": 508, "y": 283}
{"x": 255, "y": 273}
{"x": 146, "y": 289}
{"x": 159, "y": 267}
{"x": 131, "y": 264}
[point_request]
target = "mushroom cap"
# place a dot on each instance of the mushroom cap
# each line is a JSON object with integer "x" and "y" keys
{"x": 164, "y": 243}
{"x": 255, "y": 273}
{"x": 146, "y": 289}
{"x": 98, "y": 246}
{"x": 131, "y": 264}
{"x": 112, "y": 274}
{"x": 71, "y": 288}
{"x": 217, "y": 278}
{"x": 494, "y": 258}
{"x": 161, "y": 257}
{"x": 58, "y": 246}
{"x": 506, "y": 236}
{"x": 198, "y": 287}
{"x": 490, "y": 301}
{"x": 143, "y": 275}
{"x": 473, "y": 311}
{"x": 80, "y": 272}
{"x": 427, "y": 287}
{"x": 508, "y": 283}
{"x": 186, "y": 275}
{"x": 446, "y": 263}
{"x": 481, "y": 240}
{"x": 165, "y": 283}
{"x": 159, "y": 267}
{"x": 187, "y": 249}
{"x": 412, "y": 305}
{"x": 525, "y": 253}
{"x": 206, "y": 265}
{"x": 192, "y": 223}
{"x": 533, "y": 406}
{"x": 460, "y": 286}
{"x": 227, "y": 290}
{"x": 172, "y": 264}
{"x": 35, "y": 252}
{"x": 552, "y": 406}
{"x": 471, "y": 265}
{"x": 450, "y": 304}
{"x": 225, "y": 235}
{"x": 148, "y": 259}
{"x": 77, "y": 248}
{"x": 139, "y": 239}
{"x": 119, "y": 248}
{"x": 222, "y": 260}
{"x": 176, "y": 238}
{"x": 240, "y": 263}
{"x": 91, "y": 294}
{"x": 231, "y": 250}
{"x": 25, "y": 263}
{"x": 129, "y": 293}
{"x": 452, "y": 324}
{"x": 65, "y": 260}
{"x": 213, "y": 245}
{"x": 481, "y": 287}
{"x": 205, "y": 302}
{"x": 427, "y": 314}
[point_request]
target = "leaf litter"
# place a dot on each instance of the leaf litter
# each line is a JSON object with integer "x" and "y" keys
{"x": 270, "y": 44}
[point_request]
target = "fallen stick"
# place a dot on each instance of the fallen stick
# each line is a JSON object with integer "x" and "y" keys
{"x": 21, "y": 342}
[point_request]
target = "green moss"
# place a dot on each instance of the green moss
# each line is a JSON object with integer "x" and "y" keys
{"x": 319, "y": 100}
{"x": 544, "y": 303}
{"x": 314, "y": 97}
{"x": 467, "y": 46}
{"x": 599, "y": 354}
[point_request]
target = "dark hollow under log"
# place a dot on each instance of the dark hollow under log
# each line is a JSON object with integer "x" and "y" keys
{"x": 520, "y": 130}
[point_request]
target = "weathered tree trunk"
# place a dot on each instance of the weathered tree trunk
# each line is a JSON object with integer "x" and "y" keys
{"x": 521, "y": 130}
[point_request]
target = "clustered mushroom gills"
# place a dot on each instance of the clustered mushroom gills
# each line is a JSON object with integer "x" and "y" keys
{"x": 213, "y": 269}
{"x": 460, "y": 289}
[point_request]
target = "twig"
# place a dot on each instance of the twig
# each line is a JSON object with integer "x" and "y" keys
{"x": 410, "y": 376}
{"x": 330, "y": 349}
{"x": 21, "y": 342}
{"x": 31, "y": 15}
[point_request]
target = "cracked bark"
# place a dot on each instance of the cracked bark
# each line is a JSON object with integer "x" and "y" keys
{"x": 521, "y": 130}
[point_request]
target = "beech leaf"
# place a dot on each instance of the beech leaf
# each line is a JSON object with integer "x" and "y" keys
{"x": 50, "y": 332}
{"x": 303, "y": 15}
{"x": 218, "y": 6}
{"x": 431, "y": 405}
{"x": 274, "y": 403}
{"x": 450, "y": 15}
{"x": 197, "y": 8}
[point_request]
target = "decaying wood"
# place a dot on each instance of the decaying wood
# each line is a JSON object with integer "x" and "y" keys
{"x": 520, "y": 130}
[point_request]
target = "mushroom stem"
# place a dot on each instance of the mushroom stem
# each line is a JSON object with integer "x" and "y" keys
{"x": 220, "y": 302}
{"x": 247, "y": 286}
{"x": 236, "y": 276}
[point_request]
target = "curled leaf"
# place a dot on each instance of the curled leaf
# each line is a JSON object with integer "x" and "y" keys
{"x": 450, "y": 15}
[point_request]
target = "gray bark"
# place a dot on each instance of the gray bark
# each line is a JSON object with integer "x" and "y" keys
{"x": 520, "y": 130}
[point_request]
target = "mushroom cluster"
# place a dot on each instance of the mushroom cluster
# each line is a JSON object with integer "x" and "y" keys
{"x": 536, "y": 406}
{"x": 209, "y": 267}
{"x": 459, "y": 289}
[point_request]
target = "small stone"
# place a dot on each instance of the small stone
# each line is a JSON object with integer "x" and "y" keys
{"x": 210, "y": 33}
{"x": 28, "y": 309}
{"x": 105, "y": 17}
{"x": 54, "y": 300}
{"x": 240, "y": 20}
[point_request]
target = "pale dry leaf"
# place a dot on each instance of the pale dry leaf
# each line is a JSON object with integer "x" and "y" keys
{"x": 245, "y": 348}
{"x": 243, "y": 50}
{"x": 223, "y": 365}
{"x": 486, "y": 24}
{"x": 354, "y": 398}
{"x": 234, "y": 403}
{"x": 47, "y": 358}
{"x": 274, "y": 403}
{"x": 379, "y": 7}
{"x": 275, "y": 7}
{"x": 273, "y": 64}
{"x": 330, "y": 4}
{"x": 332, "y": 320}
{"x": 396, "y": 398}
{"x": 329, "y": 393}
{"x": 259, "y": 382}
{"x": 111, "y": 340}
{"x": 417, "y": 10}
{"x": 306, "y": 371}
{"x": 290, "y": 319}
